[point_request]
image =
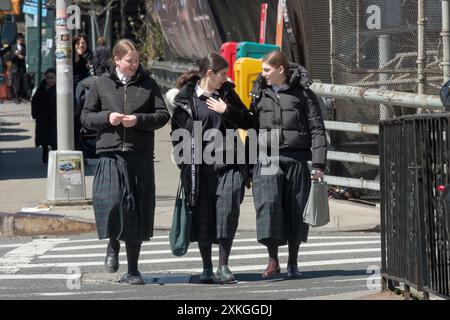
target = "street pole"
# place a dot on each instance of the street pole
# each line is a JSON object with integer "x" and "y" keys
{"x": 39, "y": 40}
{"x": 420, "y": 49}
{"x": 384, "y": 56}
{"x": 64, "y": 83}
{"x": 65, "y": 172}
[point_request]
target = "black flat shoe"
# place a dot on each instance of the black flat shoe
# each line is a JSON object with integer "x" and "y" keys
{"x": 135, "y": 278}
{"x": 293, "y": 272}
{"x": 207, "y": 276}
{"x": 111, "y": 260}
{"x": 224, "y": 275}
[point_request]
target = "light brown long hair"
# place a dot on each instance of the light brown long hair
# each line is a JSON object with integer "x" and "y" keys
{"x": 277, "y": 59}
{"x": 122, "y": 48}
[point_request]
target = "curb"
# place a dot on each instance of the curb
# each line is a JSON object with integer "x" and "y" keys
{"x": 33, "y": 224}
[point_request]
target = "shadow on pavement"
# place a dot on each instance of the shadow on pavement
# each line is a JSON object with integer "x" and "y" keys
{"x": 21, "y": 163}
{"x": 12, "y": 130}
{"x": 13, "y": 137}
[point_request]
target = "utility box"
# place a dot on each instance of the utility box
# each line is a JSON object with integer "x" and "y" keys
{"x": 245, "y": 72}
{"x": 65, "y": 176}
{"x": 228, "y": 51}
{"x": 254, "y": 50}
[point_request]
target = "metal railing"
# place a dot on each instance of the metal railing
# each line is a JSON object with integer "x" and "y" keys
{"x": 166, "y": 73}
{"x": 415, "y": 220}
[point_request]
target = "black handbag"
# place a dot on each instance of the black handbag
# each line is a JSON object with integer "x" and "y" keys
{"x": 180, "y": 232}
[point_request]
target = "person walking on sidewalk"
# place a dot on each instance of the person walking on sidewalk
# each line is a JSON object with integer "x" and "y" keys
{"x": 19, "y": 78}
{"x": 125, "y": 105}
{"x": 215, "y": 190}
{"x": 43, "y": 110}
{"x": 282, "y": 101}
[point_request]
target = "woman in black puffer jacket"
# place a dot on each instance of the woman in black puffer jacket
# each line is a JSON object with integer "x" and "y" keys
{"x": 283, "y": 103}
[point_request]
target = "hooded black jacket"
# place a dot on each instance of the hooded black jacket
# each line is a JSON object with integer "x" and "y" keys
{"x": 141, "y": 97}
{"x": 294, "y": 110}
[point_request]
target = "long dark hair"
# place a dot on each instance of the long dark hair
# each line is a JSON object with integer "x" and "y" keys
{"x": 213, "y": 62}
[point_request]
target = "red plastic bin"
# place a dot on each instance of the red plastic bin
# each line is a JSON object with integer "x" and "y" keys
{"x": 228, "y": 51}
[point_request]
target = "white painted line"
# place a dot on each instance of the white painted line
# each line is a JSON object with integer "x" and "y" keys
{"x": 297, "y": 289}
{"x": 15, "y": 245}
{"x": 106, "y": 240}
{"x": 12, "y": 261}
{"x": 194, "y": 259}
{"x": 123, "y": 254}
{"x": 261, "y": 267}
{"x": 304, "y": 245}
{"x": 39, "y": 276}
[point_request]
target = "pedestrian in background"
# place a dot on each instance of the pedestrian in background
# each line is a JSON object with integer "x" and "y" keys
{"x": 215, "y": 190}
{"x": 101, "y": 58}
{"x": 19, "y": 78}
{"x": 82, "y": 68}
{"x": 125, "y": 105}
{"x": 282, "y": 101}
{"x": 43, "y": 110}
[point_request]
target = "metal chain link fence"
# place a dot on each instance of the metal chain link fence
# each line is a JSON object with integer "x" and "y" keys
{"x": 373, "y": 44}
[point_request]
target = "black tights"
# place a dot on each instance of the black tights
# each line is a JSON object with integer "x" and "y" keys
{"x": 205, "y": 252}
{"x": 224, "y": 250}
{"x": 133, "y": 251}
{"x": 272, "y": 249}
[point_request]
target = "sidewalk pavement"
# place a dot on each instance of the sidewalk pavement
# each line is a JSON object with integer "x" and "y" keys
{"x": 23, "y": 188}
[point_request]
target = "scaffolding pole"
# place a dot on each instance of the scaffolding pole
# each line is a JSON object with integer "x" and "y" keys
{"x": 446, "y": 39}
{"x": 420, "y": 49}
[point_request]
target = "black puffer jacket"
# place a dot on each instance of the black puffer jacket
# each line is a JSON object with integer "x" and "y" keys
{"x": 295, "y": 111}
{"x": 141, "y": 97}
{"x": 183, "y": 117}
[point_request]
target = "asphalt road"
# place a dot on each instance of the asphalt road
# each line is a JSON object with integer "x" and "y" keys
{"x": 72, "y": 268}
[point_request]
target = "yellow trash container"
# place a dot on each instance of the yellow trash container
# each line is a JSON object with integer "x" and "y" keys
{"x": 245, "y": 72}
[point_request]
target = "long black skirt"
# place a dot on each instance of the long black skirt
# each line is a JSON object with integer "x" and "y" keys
{"x": 124, "y": 196}
{"x": 230, "y": 193}
{"x": 280, "y": 199}
{"x": 203, "y": 228}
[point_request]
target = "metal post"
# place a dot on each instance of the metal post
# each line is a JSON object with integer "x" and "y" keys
{"x": 384, "y": 56}
{"x": 446, "y": 39}
{"x": 64, "y": 83}
{"x": 39, "y": 41}
{"x": 331, "y": 41}
{"x": 358, "y": 36}
{"x": 107, "y": 28}
{"x": 93, "y": 25}
{"x": 420, "y": 48}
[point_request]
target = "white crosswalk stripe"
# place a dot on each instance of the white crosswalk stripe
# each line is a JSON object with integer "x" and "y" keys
{"x": 49, "y": 259}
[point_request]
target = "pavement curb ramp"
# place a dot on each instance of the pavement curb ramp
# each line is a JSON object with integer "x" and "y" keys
{"x": 36, "y": 224}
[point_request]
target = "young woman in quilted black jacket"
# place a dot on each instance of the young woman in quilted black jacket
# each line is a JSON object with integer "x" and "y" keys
{"x": 283, "y": 103}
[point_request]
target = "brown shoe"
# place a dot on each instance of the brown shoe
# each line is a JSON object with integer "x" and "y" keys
{"x": 272, "y": 269}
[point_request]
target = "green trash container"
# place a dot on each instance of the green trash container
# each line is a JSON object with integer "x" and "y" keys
{"x": 254, "y": 50}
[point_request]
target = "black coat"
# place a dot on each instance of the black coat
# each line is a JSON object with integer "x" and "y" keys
{"x": 43, "y": 110}
{"x": 101, "y": 60}
{"x": 141, "y": 97}
{"x": 294, "y": 110}
{"x": 184, "y": 116}
{"x": 18, "y": 65}
{"x": 82, "y": 67}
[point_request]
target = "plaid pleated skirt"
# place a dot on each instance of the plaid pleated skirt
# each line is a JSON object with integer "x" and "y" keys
{"x": 280, "y": 199}
{"x": 124, "y": 196}
{"x": 230, "y": 193}
{"x": 203, "y": 228}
